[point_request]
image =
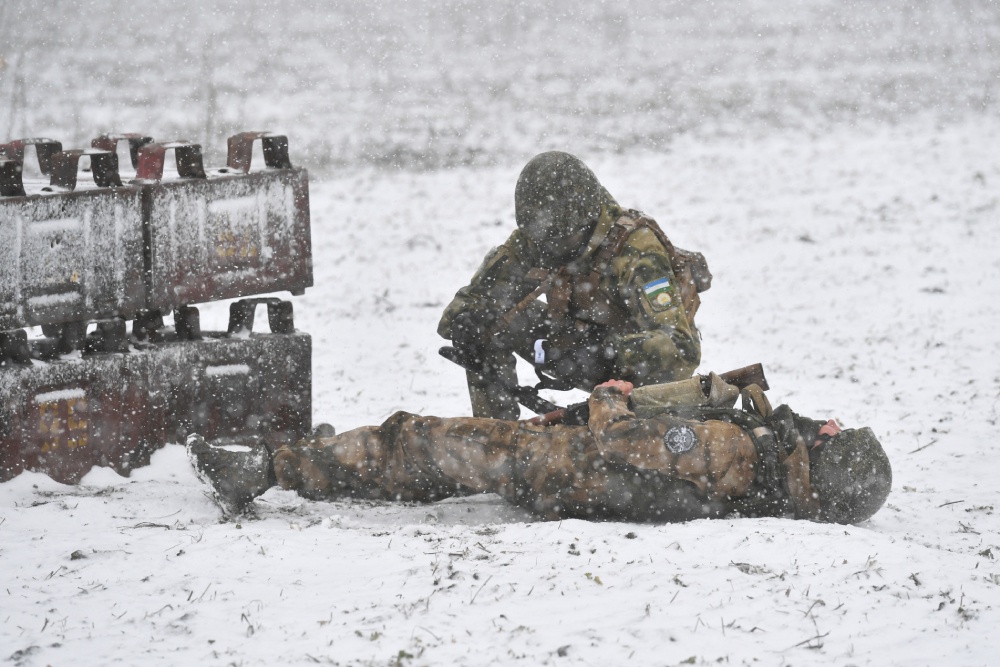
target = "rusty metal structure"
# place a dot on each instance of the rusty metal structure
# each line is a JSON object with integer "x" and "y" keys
{"x": 84, "y": 254}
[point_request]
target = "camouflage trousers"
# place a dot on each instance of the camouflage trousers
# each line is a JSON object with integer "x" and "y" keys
{"x": 552, "y": 471}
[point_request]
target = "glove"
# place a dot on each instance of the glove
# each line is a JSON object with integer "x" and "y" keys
{"x": 471, "y": 335}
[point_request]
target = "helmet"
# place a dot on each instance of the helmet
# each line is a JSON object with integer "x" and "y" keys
{"x": 850, "y": 475}
{"x": 557, "y": 202}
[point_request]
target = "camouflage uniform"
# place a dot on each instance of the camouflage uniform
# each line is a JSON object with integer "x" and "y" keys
{"x": 624, "y": 310}
{"x": 620, "y": 466}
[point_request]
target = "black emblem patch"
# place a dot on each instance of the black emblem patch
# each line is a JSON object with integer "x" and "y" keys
{"x": 679, "y": 439}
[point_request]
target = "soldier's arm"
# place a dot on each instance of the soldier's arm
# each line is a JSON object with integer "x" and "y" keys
{"x": 621, "y": 436}
{"x": 665, "y": 346}
{"x": 497, "y": 285}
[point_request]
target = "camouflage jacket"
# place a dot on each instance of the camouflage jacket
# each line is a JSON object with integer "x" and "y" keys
{"x": 711, "y": 467}
{"x": 664, "y": 468}
{"x": 636, "y": 310}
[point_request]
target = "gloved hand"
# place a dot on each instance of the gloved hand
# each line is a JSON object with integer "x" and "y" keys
{"x": 471, "y": 335}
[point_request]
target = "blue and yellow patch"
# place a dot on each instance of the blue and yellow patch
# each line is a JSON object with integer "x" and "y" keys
{"x": 660, "y": 293}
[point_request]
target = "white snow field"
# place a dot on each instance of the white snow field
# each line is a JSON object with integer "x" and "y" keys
{"x": 837, "y": 163}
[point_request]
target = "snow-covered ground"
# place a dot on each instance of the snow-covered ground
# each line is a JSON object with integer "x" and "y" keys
{"x": 855, "y": 242}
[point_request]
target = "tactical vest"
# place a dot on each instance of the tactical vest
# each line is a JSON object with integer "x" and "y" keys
{"x": 576, "y": 294}
{"x": 580, "y": 313}
{"x": 769, "y": 495}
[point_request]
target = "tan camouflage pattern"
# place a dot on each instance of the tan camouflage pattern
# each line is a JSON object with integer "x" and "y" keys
{"x": 657, "y": 342}
{"x": 617, "y": 467}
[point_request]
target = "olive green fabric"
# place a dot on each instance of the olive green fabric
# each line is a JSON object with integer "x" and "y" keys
{"x": 655, "y": 342}
{"x": 691, "y": 393}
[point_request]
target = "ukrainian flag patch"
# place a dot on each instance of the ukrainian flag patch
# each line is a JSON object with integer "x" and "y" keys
{"x": 660, "y": 293}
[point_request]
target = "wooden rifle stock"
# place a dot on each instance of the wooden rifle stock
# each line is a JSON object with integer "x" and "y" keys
{"x": 746, "y": 376}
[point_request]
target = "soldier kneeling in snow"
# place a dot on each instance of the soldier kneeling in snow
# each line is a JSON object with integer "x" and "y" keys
{"x": 670, "y": 452}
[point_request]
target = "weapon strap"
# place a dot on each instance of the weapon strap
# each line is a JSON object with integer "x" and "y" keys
{"x": 560, "y": 294}
{"x": 558, "y": 284}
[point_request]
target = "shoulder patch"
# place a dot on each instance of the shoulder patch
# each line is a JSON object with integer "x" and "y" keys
{"x": 660, "y": 293}
{"x": 679, "y": 439}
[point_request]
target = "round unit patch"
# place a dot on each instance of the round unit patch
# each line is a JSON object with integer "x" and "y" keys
{"x": 679, "y": 439}
{"x": 659, "y": 293}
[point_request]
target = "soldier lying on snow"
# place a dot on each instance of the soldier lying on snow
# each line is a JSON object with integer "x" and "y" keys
{"x": 670, "y": 452}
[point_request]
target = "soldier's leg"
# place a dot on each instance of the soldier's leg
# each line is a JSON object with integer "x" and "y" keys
{"x": 408, "y": 457}
{"x": 327, "y": 467}
{"x": 491, "y": 397}
{"x": 491, "y": 393}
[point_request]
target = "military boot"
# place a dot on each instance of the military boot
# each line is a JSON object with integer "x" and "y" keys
{"x": 236, "y": 473}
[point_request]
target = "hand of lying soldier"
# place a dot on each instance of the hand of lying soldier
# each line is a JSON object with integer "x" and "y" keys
{"x": 624, "y": 386}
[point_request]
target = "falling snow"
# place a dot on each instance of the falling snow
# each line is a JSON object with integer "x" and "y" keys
{"x": 836, "y": 163}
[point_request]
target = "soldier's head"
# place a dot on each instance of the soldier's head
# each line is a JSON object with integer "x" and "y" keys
{"x": 849, "y": 471}
{"x": 557, "y": 202}
{"x": 850, "y": 475}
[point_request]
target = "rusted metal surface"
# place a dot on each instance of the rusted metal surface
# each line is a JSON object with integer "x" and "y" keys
{"x": 273, "y": 146}
{"x": 69, "y": 251}
{"x": 115, "y": 409}
{"x": 152, "y": 160}
{"x": 109, "y": 142}
{"x": 66, "y": 166}
{"x": 82, "y": 251}
{"x": 225, "y": 233}
{"x": 12, "y": 153}
{"x": 10, "y": 177}
{"x": 74, "y": 250}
